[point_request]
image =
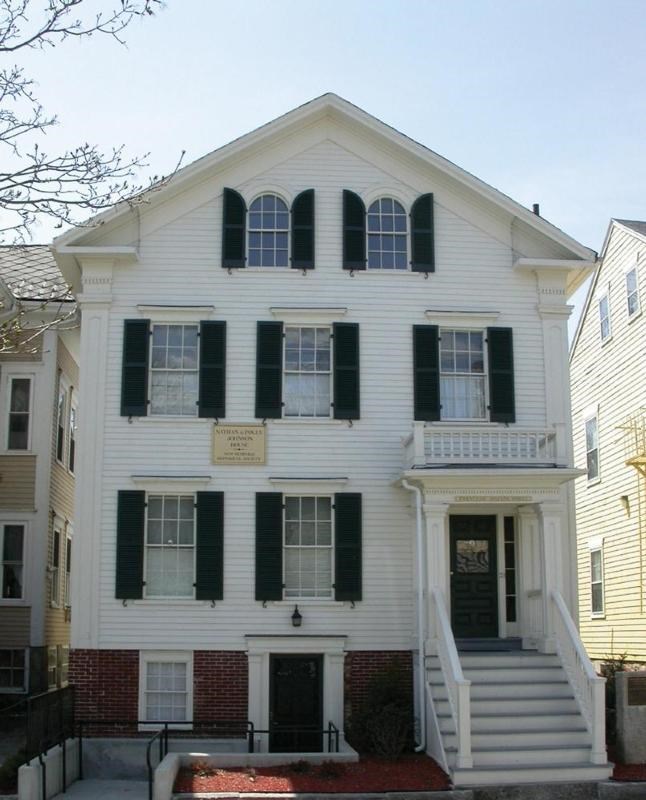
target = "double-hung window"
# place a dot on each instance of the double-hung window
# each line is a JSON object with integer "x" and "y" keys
{"x": 462, "y": 375}
{"x": 307, "y": 377}
{"x": 166, "y": 681}
{"x": 19, "y": 413}
{"x": 60, "y": 422}
{"x": 596, "y": 582}
{"x": 387, "y": 235}
{"x": 174, "y": 370}
{"x": 170, "y": 546}
{"x": 268, "y": 232}
{"x": 13, "y": 671}
{"x": 604, "y": 317}
{"x": 12, "y": 543}
{"x": 592, "y": 447}
{"x": 632, "y": 292}
{"x": 55, "y": 569}
{"x": 71, "y": 439}
{"x": 68, "y": 571}
{"x": 308, "y": 548}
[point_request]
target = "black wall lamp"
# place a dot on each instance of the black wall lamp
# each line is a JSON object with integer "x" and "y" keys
{"x": 297, "y": 618}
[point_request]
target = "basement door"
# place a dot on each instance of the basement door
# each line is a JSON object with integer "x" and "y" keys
{"x": 474, "y": 577}
{"x": 296, "y": 704}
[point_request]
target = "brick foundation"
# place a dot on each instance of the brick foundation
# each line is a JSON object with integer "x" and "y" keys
{"x": 220, "y": 685}
{"x": 107, "y": 684}
{"x": 361, "y": 666}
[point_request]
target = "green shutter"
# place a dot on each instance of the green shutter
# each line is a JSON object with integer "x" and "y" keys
{"x": 209, "y": 546}
{"x": 502, "y": 404}
{"x": 303, "y": 230}
{"x": 213, "y": 347}
{"x": 269, "y": 546}
{"x": 421, "y": 235}
{"x": 234, "y": 212}
{"x": 426, "y": 372}
{"x": 347, "y": 546}
{"x": 131, "y": 512}
{"x": 269, "y": 370}
{"x": 134, "y": 375}
{"x": 346, "y": 370}
{"x": 354, "y": 231}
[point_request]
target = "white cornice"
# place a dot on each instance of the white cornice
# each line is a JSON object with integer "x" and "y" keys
{"x": 322, "y": 314}
{"x": 121, "y": 253}
{"x": 463, "y": 317}
{"x": 160, "y": 313}
{"x": 309, "y": 485}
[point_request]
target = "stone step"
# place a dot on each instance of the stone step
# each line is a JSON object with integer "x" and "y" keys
{"x": 511, "y": 740}
{"x": 510, "y": 690}
{"x": 494, "y": 674}
{"x": 496, "y": 775}
{"x": 515, "y": 721}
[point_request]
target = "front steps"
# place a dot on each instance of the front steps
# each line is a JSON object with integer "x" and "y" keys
{"x": 525, "y": 723}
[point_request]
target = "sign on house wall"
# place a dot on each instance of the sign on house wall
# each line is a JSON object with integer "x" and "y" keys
{"x": 239, "y": 444}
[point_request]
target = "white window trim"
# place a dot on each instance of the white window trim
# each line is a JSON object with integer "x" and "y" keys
{"x": 161, "y": 598}
{"x": 55, "y": 683}
{"x": 175, "y": 314}
{"x": 25, "y": 687}
{"x": 598, "y": 614}
{"x": 15, "y": 601}
{"x": 67, "y": 574}
{"x": 65, "y": 390}
{"x": 592, "y": 412}
{"x": 171, "y": 484}
{"x": 601, "y": 294}
{"x": 30, "y": 432}
{"x": 150, "y": 370}
{"x": 476, "y": 319}
{"x": 173, "y": 656}
{"x": 304, "y": 316}
{"x": 304, "y": 599}
{"x": 281, "y": 195}
{"x": 407, "y": 206}
{"x": 637, "y": 313}
{"x": 318, "y": 417}
{"x": 58, "y": 524}
{"x": 485, "y": 369}
{"x": 73, "y": 406}
{"x": 308, "y": 486}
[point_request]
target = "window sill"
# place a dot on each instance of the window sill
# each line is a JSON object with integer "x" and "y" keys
{"x": 172, "y": 418}
{"x": 601, "y": 615}
{"x": 310, "y": 421}
{"x": 388, "y": 272}
{"x": 606, "y": 341}
{"x": 164, "y": 602}
{"x": 593, "y": 482}
{"x": 17, "y": 452}
{"x": 12, "y": 690}
{"x": 311, "y": 602}
{"x": 172, "y": 726}
{"x": 14, "y": 601}
{"x": 635, "y": 315}
{"x": 269, "y": 270}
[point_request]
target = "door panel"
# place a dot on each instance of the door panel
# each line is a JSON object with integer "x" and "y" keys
{"x": 474, "y": 576}
{"x": 296, "y": 704}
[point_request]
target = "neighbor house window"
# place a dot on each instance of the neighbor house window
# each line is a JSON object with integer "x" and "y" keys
{"x": 19, "y": 413}
{"x": 60, "y": 422}
{"x": 13, "y": 671}
{"x": 165, "y": 691}
{"x": 592, "y": 447}
{"x": 604, "y": 317}
{"x": 68, "y": 571}
{"x": 632, "y": 292}
{"x": 387, "y": 248}
{"x": 64, "y": 663}
{"x": 462, "y": 375}
{"x": 170, "y": 546}
{"x": 12, "y": 545}
{"x": 71, "y": 446}
{"x": 596, "y": 582}
{"x": 52, "y": 667}
{"x": 307, "y": 362}
{"x": 308, "y": 547}
{"x": 268, "y": 232}
{"x": 174, "y": 370}
{"x": 55, "y": 569}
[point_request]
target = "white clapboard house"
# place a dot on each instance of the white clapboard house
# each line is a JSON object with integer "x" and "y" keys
{"x": 325, "y": 381}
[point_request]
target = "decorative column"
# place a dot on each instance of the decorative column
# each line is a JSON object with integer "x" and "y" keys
{"x": 531, "y": 577}
{"x": 437, "y": 556}
{"x": 552, "y": 556}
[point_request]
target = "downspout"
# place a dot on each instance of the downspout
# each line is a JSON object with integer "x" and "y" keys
{"x": 421, "y": 669}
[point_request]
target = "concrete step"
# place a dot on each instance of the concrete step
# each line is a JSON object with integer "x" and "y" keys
{"x": 526, "y": 756}
{"x": 512, "y": 740}
{"x": 496, "y": 775}
{"x": 515, "y": 721}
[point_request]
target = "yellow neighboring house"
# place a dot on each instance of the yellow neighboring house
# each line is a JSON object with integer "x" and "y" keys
{"x": 38, "y": 422}
{"x": 608, "y": 381}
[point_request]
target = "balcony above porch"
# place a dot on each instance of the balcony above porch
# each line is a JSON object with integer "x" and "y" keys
{"x": 445, "y": 445}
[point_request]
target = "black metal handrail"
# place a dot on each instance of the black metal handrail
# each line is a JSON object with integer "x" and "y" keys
{"x": 162, "y": 736}
{"x": 331, "y": 732}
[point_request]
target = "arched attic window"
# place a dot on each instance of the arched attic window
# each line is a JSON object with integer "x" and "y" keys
{"x": 387, "y": 239}
{"x": 268, "y": 232}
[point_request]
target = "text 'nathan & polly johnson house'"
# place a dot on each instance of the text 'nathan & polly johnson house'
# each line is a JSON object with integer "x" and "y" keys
{"x": 325, "y": 382}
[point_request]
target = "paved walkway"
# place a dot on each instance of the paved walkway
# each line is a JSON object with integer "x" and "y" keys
{"x": 93, "y": 789}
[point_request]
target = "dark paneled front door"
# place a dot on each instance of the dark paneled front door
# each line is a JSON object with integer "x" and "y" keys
{"x": 474, "y": 577}
{"x": 296, "y": 704}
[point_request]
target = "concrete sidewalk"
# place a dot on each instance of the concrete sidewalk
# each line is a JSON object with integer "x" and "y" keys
{"x": 93, "y": 789}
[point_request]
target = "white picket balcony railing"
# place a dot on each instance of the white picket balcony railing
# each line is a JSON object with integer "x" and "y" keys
{"x": 588, "y": 687}
{"x": 435, "y": 445}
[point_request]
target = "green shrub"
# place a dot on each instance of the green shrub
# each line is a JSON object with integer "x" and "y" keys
{"x": 300, "y": 767}
{"x": 331, "y": 769}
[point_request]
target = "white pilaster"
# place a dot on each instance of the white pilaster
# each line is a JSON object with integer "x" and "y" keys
{"x": 530, "y": 587}
{"x": 552, "y": 553}
{"x": 437, "y": 558}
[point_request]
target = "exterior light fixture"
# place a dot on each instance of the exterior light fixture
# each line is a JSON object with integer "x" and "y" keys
{"x": 297, "y": 619}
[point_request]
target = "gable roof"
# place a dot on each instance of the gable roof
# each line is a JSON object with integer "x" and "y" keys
{"x": 30, "y": 272}
{"x": 633, "y": 227}
{"x": 328, "y": 105}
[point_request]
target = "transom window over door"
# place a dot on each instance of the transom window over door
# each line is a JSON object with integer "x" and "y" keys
{"x": 462, "y": 374}
{"x": 307, "y": 372}
{"x": 170, "y": 546}
{"x": 268, "y": 232}
{"x": 308, "y": 547}
{"x": 387, "y": 247}
{"x": 174, "y": 370}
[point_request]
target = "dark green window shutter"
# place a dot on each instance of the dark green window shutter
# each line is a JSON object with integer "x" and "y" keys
{"x": 347, "y": 546}
{"x": 303, "y": 230}
{"x": 426, "y": 372}
{"x": 134, "y": 376}
{"x": 421, "y": 235}
{"x": 354, "y": 231}
{"x": 131, "y": 512}
{"x": 269, "y": 546}
{"x": 209, "y": 546}
{"x": 502, "y": 404}
{"x": 269, "y": 370}
{"x": 213, "y": 349}
{"x": 234, "y": 212}
{"x": 346, "y": 370}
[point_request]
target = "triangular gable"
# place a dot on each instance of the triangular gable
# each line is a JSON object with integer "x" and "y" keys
{"x": 334, "y": 107}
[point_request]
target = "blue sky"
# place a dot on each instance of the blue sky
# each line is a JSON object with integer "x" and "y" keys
{"x": 545, "y": 101}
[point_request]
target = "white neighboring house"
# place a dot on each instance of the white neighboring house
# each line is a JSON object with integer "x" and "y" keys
{"x": 609, "y": 428}
{"x": 394, "y": 330}
{"x": 38, "y": 410}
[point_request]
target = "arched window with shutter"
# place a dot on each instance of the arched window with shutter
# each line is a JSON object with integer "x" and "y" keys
{"x": 268, "y": 234}
{"x": 387, "y": 235}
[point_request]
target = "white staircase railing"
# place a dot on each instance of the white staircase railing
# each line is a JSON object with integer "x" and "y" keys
{"x": 589, "y": 688}
{"x": 458, "y": 689}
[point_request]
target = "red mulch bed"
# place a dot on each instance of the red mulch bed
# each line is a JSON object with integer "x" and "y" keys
{"x": 411, "y": 773}
{"x": 629, "y": 772}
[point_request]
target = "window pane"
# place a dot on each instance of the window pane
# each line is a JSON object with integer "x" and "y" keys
{"x": 12, "y": 581}
{"x": 13, "y": 541}
{"x": 597, "y": 598}
{"x": 20, "y": 394}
